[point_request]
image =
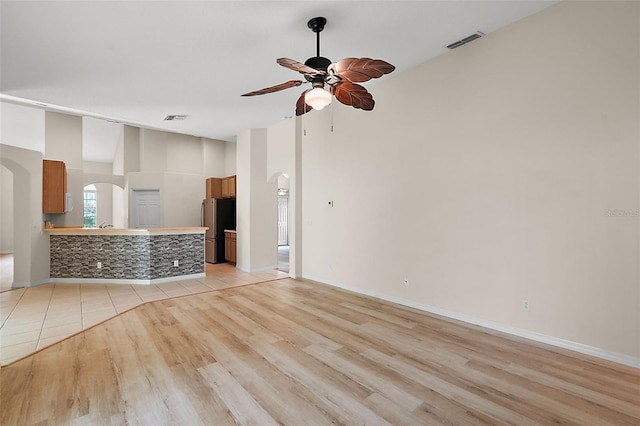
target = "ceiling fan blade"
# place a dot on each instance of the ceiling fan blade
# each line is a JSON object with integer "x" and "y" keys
{"x": 297, "y": 66}
{"x": 301, "y": 106}
{"x": 358, "y": 70}
{"x": 276, "y": 88}
{"x": 354, "y": 95}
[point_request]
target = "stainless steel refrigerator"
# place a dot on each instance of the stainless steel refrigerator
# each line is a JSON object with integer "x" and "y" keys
{"x": 217, "y": 215}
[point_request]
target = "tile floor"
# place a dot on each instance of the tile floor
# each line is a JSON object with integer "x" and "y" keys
{"x": 36, "y": 317}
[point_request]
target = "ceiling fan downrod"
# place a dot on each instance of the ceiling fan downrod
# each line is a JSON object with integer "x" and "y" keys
{"x": 317, "y": 25}
{"x": 317, "y": 62}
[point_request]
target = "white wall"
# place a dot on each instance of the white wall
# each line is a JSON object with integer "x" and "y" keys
{"x": 256, "y": 204}
{"x": 63, "y": 139}
{"x": 22, "y": 126}
{"x": 214, "y": 157}
{"x": 130, "y": 151}
{"x": 485, "y": 177}
{"x": 230, "y": 159}
{"x": 170, "y": 152}
{"x": 281, "y": 148}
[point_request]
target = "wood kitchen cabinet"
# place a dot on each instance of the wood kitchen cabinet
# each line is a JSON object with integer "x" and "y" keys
{"x": 214, "y": 188}
{"x": 229, "y": 187}
{"x": 221, "y": 187}
{"x": 230, "y": 243}
{"x": 54, "y": 186}
{"x": 232, "y": 186}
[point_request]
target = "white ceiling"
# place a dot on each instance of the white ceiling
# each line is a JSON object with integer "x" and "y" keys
{"x": 138, "y": 61}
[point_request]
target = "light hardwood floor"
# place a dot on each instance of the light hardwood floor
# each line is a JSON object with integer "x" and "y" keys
{"x": 297, "y": 352}
{"x": 35, "y": 317}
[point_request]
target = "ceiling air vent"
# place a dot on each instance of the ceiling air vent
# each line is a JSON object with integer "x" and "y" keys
{"x": 465, "y": 40}
{"x": 175, "y": 117}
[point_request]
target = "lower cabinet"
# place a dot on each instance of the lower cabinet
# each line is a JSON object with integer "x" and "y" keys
{"x": 230, "y": 240}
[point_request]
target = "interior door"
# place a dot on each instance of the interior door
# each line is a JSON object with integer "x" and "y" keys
{"x": 147, "y": 208}
{"x": 283, "y": 221}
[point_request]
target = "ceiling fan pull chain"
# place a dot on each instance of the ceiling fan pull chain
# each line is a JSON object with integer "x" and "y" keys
{"x": 331, "y": 117}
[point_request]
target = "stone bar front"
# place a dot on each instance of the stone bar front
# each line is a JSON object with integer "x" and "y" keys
{"x": 126, "y": 256}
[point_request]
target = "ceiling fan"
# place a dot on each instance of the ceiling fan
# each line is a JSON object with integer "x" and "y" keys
{"x": 341, "y": 78}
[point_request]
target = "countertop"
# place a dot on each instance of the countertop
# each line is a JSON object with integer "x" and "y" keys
{"x": 125, "y": 231}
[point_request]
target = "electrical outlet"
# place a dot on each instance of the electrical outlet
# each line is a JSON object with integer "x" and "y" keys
{"x": 99, "y": 265}
{"x": 405, "y": 281}
{"x": 175, "y": 263}
{"x": 526, "y": 306}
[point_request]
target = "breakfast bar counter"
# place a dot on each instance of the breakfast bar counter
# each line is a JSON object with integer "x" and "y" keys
{"x": 125, "y": 256}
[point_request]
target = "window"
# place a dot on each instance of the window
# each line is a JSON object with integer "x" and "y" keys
{"x": 90, "y": 206}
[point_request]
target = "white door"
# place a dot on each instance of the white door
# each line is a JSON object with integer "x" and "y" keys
{"x": 147, "y": 208}
{"x": 283, "y": 221}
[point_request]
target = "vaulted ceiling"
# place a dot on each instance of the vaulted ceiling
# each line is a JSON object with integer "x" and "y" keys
{"x": 136, "y": 62}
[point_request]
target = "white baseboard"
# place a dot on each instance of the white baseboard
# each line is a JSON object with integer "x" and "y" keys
{"x": 25, "y": 284}
{"x": 125, "y": 281}
{"x": 254, "y": 270}
{"x": 550, "y": 340}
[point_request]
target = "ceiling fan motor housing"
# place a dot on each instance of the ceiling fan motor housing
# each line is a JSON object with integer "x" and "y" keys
{"x": 318, "y": 63}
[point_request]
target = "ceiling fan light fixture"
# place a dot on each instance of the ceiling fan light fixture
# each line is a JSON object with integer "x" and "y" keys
{"x": 341, "y": 77}
{"x": 317, "y": 98}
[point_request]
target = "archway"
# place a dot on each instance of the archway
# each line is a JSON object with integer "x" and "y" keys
{"x": 110, "y": 198}
{"x": 6, "y": 229}
{"x": 289, "y": 256}
{"x": 283, "y": 223}
{"x": 31, "y": 249}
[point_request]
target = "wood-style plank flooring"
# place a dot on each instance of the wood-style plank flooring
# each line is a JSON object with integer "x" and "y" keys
{"x": 36, "y": 317}
{"x": 296, "y": 352}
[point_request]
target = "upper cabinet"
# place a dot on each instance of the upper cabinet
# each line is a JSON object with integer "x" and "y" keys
{"x": 54, "y": 186}
{"x": 221, "y": 187}
{"x": 229, "y": 187}
{"x": 214, "y": 188}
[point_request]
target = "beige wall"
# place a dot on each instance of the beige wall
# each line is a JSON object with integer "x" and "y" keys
{"x": 63, "y": 139}
{"x": 63, "y": 142}
{"x": 486, "y": 176}
{"x": 230, "y": 166}
{"x": 256, "y": 204}
{"x": 31, "y": 250}
{"x": 94, "y": 171}
{"x": 214, "y": 157}
{"x": 22, "y": 126}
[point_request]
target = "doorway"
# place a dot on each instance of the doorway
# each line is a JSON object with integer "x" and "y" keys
{"x": 6, "y": 229}
{"x": 283, "y": 223}
{"x": 146, "y": 210}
